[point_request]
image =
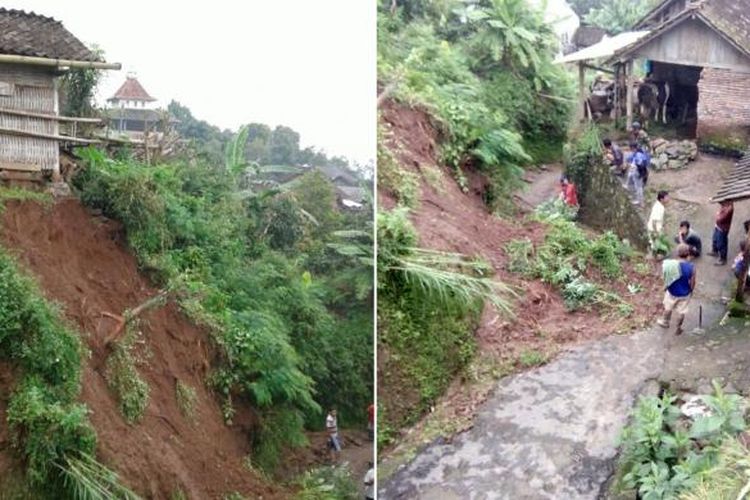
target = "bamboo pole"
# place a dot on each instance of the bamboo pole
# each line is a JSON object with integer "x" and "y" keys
{"x": 57, "y": 63}
{"x": 62, "y": 138}
{"x": 45, "y": 116}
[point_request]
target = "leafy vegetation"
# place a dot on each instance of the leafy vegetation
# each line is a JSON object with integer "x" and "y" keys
{"x": 428, "y": 305}
{"x": 47, "y": 423}
{"x": 566, "y": 253}
{"x": 616, "y": 16}
{"x": 664, "y": 456}
{"x": 257, "y": 269}
{"x": 123, "y": 378}
{"x": 485, "y": 72}
{"x": 327, "y": 483}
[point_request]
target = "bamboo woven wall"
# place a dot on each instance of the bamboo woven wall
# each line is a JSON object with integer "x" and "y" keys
{"x": 30, "y": 90}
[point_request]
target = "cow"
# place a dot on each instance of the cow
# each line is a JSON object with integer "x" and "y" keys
{"x": 652, "y": 97}
{"x": 601, "y": 98}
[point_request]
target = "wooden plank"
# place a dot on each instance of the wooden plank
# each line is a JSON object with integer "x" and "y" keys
{"x": 62, "y": 138}
{"x": 44, "y": 116}
{"x": 22, "y": 167}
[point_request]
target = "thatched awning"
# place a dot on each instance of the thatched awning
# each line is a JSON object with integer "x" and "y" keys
{"x": 736, "y": 187}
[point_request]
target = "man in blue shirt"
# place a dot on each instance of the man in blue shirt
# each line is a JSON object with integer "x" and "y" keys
{"x": 679, "y": 282}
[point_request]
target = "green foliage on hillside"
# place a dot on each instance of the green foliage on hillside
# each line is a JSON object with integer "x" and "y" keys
{"x": 257, "y": 269}
{"x": 264, "y": 146}
{"x": 483, "y": 70}
{"x": 486, "y": 73}
{"x": 46, "y": 421}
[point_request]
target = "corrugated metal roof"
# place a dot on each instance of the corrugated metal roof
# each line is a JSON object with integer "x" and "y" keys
{"x": 606, "y": 48}
{"x": 737, "y": 185}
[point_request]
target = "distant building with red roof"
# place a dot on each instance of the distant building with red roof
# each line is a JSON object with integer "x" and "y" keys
{"x": 130, "y": 111}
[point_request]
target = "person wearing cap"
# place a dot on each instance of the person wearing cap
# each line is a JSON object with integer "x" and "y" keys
{"x": 640, "y": 136}
{"x": 568, "y": 192}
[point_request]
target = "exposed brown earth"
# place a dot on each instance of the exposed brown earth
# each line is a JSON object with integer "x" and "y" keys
{"x": 81, "y": 263}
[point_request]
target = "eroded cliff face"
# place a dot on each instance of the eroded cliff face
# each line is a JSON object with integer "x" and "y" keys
{"x": 606, "y": 205}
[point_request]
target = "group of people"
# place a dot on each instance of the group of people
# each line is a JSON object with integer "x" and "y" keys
{"x": 633, "y": 166}
{"x": 679, "y": 274}
{"x": 334, "y": 445}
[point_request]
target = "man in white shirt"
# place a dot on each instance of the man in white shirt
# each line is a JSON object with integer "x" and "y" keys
{"x": 656, "y": 219}
{"x": 334, "y": 445}
{"x": 370, "y": 482}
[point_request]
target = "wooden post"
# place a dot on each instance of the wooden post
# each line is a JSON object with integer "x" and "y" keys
{"x": 582, "y": 89}
{"x": 629, "y": 95}
{"x": 617, "y": 89}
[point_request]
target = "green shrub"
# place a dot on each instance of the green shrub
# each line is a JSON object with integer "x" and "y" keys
{"x": 327, "y": 483}
{"x": 123, "y": 378}
{"x": 664, "y": 456}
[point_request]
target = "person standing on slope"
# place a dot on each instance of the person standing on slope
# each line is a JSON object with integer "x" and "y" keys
{"x": 334, "y": 444}
{"x": 679, "y": 284}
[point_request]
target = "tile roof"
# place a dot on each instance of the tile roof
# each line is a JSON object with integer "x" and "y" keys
{"x": 132, "y": 90}
{"x": 730, "y": 18}
{"x": 737, "y": 185}
{"x": 29, "y": 34}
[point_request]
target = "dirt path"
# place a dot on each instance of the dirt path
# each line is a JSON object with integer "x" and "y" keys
{"x": 552, "y": 432}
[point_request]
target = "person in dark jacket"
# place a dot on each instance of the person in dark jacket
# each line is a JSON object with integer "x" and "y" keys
{"x": 614, "y": 157}
{"x": 720, "y": 240}
{"x": 690, "y": 238}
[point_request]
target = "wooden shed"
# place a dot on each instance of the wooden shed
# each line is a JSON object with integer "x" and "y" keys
{"x": 702, "y": 49}
{"x": 34, "y": 51}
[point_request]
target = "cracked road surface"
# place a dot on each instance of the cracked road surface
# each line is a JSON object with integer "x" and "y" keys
{"x": 543, "y": 434}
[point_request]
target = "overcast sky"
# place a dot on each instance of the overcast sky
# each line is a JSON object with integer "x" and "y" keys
{"x": 309, "y": 65}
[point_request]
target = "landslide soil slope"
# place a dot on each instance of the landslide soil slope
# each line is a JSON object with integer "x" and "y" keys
{"x": 448, "y": 219}
{"x": 81, "y": 263}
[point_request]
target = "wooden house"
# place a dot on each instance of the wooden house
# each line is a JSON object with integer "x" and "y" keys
{"x": 702, "y": 49}
{"x": 35, "y": 51}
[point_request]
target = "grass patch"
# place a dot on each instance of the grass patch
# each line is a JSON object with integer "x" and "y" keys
{"x": 186, "y": 399}
{"x": 122, "y": 376}
{"x": 532, "y": 357}
{"x": 19, "y": 194}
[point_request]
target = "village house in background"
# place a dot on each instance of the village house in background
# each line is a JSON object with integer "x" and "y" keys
{"x": 35, "y": 51}
{"x": 696, "y": 57}
{"x": 131, "y": 110}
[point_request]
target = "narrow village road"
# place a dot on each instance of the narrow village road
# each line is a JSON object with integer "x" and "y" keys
{"x": 552, "y": 432}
